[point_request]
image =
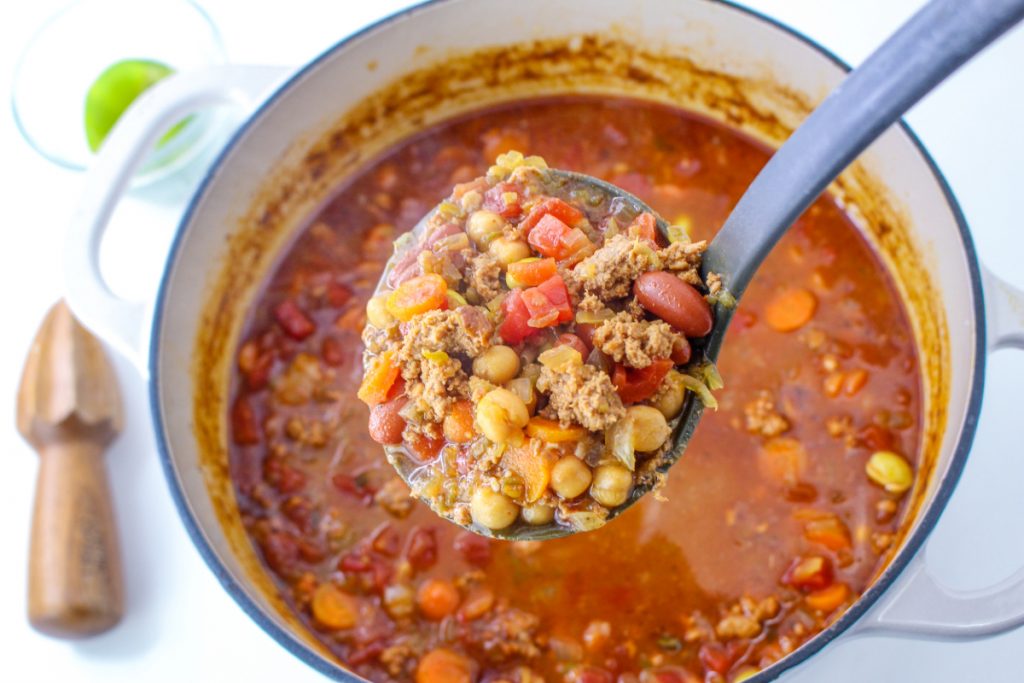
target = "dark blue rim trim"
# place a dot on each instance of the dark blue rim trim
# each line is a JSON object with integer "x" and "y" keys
{"x": 912, "y": 545}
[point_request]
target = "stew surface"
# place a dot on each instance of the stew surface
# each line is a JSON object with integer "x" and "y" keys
{"x": 773, "y": 522}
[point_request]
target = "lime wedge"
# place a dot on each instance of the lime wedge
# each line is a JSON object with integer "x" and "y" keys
{"x": 114, "y": 90}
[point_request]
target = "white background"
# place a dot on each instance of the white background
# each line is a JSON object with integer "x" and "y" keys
{"x": 180, "y": 625}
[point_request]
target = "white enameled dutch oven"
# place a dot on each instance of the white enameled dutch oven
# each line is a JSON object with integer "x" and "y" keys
{"x": 449, "y": 56}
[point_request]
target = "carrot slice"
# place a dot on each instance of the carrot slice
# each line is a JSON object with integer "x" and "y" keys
{"x": 437, "y": 599}
{"x": 829, "y": 531}
{"x": 533, "y": 272}
{"x": 418, "y": 295}
{"x": 550, "y": 431}
{"x": 458, "y": 424}
{"x": 790, "y": 309}
{"x": 378, "y": 380}
{"x": 333, "y": 609}
{"x": 445, "y": 666}
{"x": 534, "y": 469}
{"x": 828, "y": 599}
{"x": 782, "y": 460}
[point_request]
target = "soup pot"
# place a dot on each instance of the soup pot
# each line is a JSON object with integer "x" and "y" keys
{"x": 312, "y": 129}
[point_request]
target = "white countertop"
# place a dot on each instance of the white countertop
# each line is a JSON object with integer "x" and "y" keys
{"x": 180, "y": 624}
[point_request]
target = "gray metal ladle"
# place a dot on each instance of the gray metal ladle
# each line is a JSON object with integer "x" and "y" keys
{"x": 933, "y": 44}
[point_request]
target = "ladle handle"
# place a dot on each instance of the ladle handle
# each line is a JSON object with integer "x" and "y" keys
{"x": 930, "y": 46}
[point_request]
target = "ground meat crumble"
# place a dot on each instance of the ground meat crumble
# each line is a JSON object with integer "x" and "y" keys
{"x": 762, "y": 418}
{"x": 637, "y": 343}
{"x": 583, "y": 395}
{"x": 610, "y": 271}
{"x": 683, "y": 259}
{"x": 485, "y": 276}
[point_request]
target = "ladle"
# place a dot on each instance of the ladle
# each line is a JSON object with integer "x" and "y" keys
{"x": 933, "y": 44}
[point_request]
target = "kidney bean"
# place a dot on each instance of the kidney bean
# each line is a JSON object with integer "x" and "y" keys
{"x": 474, "y": 549}
{"x": 422, "y": 549}
{"x": 572, "y": 341}
{"x": 386, "y": 424}
{"x": 294, "y": 320}
{"x": 332, "y": 351}
{"x": 245, "y": 428}
{"x": 281, "y": 551}
{"x": 681, "y": 351}
{"x": 674, "y": 301}
{"x": 585, "y": 331}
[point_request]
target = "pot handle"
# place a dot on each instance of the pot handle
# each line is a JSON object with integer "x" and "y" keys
{"x": 120, "y": 322}
{"x": 920, "y": 605}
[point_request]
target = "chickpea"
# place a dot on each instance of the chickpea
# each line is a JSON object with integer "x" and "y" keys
{"x": 377, "y": 312}
{"x": 670, "y": 401}
{"x": 538, "y": 514}
{"x": 649, "y": 428}
{"x": 497, "y": 364}
{"x": 508, "y": 250}
{"x": 612, "y": 485}
{"x": 570, "y": 477}
{"x": 492, "y": 509}
{"x": 501, "y": 415}
{"x": 890, "y": 471}
{"x": 483, "y": 226}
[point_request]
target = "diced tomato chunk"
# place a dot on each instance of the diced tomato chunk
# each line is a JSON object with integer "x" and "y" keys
{"x": 646, "y": 228}
{"x": 532, "y": 273}
{"x": 337, "y": 294}
{"x": 357, "y": 486}
{"x": 542, "y": 312}
{"x": 553, "y": 206}
{"x": 294, "y": 320}
{"x": 552, "y": 237}
{"x": 504, "y": 199}
{"x": 716, "y": 657}
{"x": 515, "y": 327}
{"x": 639, "y": 384}
{"x": 558, "y": 294}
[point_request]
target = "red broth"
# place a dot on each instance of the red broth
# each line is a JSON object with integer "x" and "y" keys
{"x": 769, "y": 526}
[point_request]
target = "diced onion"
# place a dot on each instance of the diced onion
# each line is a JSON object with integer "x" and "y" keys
{"x": 618, "y": 442}
{"x": 455, "y": 300}
{"x": 703, "y": 393}
{"x": 456, "y": 242}
{"x": 435, "y": 356}
{"x": 584, "y": 520}
{"x": 678, "y": 233}
{"x": 594, "y": 317}
{"x": 521, "y": 387}
{"x": 494, "y": 305}
{"x": 600, "y": 360}
{"x": 561, "y": 358}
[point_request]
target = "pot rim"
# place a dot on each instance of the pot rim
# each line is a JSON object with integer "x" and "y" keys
{"x": 914, "y": 542}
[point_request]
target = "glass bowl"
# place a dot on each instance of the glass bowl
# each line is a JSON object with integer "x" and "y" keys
{"x": 67, "y": 54}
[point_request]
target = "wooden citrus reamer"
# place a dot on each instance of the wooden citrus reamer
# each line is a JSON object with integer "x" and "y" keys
{"x": 69, "y": 409}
